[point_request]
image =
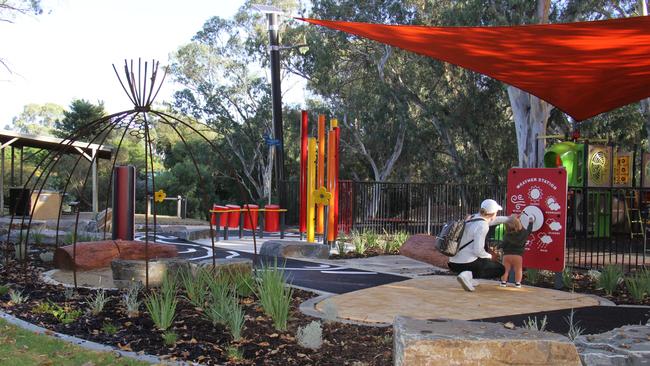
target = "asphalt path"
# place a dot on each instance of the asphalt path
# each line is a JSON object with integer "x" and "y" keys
{"x": 316, "y": 276}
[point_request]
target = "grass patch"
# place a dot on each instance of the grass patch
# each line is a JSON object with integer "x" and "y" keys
{"x": 274, "y": 295}
{"x": 610, "y": 277}
{"x": 22, "y": 348}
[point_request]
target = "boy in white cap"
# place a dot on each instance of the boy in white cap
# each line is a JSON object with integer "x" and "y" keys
{"x": 473, "y": 261}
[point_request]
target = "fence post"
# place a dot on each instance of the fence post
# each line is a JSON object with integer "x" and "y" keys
{"x": 428, "y": 214}
{"x": 148, "y": 205}
{"x": 179, "y": 200}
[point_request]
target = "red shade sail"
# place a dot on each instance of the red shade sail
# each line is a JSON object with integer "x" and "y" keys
{"x": 583, "y": 68}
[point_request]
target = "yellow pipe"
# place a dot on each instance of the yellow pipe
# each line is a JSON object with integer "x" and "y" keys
{"x": 320, "y": 219}
{"x": 311, "y": 177}
{"x": 334, "y": 123}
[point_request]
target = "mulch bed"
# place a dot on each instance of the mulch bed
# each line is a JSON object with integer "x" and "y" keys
{"x": 198, "y": 339}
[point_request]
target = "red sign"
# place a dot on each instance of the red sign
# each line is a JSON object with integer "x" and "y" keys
{"x": 540, "y": 193}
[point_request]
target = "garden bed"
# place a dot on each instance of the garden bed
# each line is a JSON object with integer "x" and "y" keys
{"x": 197, "y": 339}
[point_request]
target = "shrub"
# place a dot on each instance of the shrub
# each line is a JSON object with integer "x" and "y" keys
{"x": 340, "y": 246}
{"x": 395, "y": 242}
{"x": 532, "y": 324}
{"x": 97, "y": 303}
{"x": 371, "y": 238}
{"x": 64, "y": 315}
{"x": 37, "y": 236}
{"x": 162, "y": 305}
{"x": 358, "y": 242}
{"x": 220, "y": 295}
{"x": 311, "y": 335}
{"x": 68, "y": 293}
{"x": 4, "y": 290}
{"x": 170, "y": 338}
{"x": 243, "y": 283}
{"x": 636, "y": 286}
{"x": 593, "y": 275}
{"x": 274, "y": 295}
{"x": 234, "y": 353}
{"x": 533, "y": 276}
{"x": 17, "y": 297}
{"x": 610, "y": 277}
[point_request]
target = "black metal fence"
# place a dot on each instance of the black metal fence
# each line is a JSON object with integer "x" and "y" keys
{"x": 606, "y": 227}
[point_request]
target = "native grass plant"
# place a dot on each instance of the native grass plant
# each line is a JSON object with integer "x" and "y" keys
{"x": 161, "y": 305}
{"x": 567, "y": 278}
{"x": 195, "y": 285}
{"x": 130, "y": 299}
{"x": 593, "y": 275}
{"x": 533, "y": 276}
{"x": 16, "y": 297}
{"x": 68, "y": 293}
{"x": 234, "y": 318}
{"x": 329, "y": 311}
{"x": 574, "y": 329}
{"x": 610, "y": 277}
{"x": 311, "y": 335}
{"x": 394, "y": 242}
{"x": 234, "y": 353}
{"x": 63, "y": 314}
{"x": 37, "y": 236}
{"x": 358, "y": 242}
{"x": 243, "y": 282}
{"x": 219, "y": 296}
{"x": 534, "y": 324}
{"x": 4, "y": 289}
{"x": 340, "y": 247}
{"x": 70, "y": 237}
{"x": 109, "y": 328}
{"x": 96, "y": 303}
{"x": 637, "y": 286}
{"x": 274, "y": 294}
{"x": 371, "y": 238}
{"x": 170, "y": 338}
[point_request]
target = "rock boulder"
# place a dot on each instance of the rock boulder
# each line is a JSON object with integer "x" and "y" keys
{"x": 460, "y": 342}
{"x": 628, "y": 345}
{"x": 127, "y": 271}
{"x": 294, "y": 249}
{"x": 422, "y": 247}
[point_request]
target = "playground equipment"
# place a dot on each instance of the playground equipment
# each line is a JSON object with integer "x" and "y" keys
{"x": 318, "y": 191}
{"x": 601, "y": 173}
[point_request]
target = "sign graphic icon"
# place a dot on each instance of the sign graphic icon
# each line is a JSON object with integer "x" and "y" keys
{"x": 535, "y": 213}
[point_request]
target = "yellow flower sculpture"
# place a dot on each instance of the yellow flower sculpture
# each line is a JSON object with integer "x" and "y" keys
{"x": 159, "y": 196}
{"x": 322, "y": 196}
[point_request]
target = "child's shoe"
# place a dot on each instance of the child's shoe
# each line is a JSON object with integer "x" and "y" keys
{"x": 503, "y": 284}
{"x": 518, "y": 284}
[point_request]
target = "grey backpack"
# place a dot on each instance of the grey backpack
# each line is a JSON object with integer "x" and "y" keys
{"x": 448, "y": 240}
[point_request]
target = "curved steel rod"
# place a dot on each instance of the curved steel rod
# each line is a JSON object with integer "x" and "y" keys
{"x": 146, "y": 215}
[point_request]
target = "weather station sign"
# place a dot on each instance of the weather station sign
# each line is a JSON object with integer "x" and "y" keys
{"x": 541, "y": 194}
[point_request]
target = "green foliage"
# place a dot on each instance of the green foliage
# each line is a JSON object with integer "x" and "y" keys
{"x": 610, "y": 277}
{"x": 69, "y": 293}
{"x": 109, "y": 328}
{"x": 16, "y": 297}
{"x": 4, "y": 289}
{"x": 170, "y": 338}
{"x": 63, "y": 314}
{"x": 37, "y": 119}
{"x": 97, "y": 302}
{"x": 234, "y": 317}
{"x": 637, "y": 286}
{"x": 234, "y": 353}
{"x": 358, "y": 242}
{"x": 218, "y": 304}
{"x": 70, "y": 237}
{"x": 371, "y": 238}
{"x": 567, "y": 278}
{"x": 393, "y": 243}
{"x": 81, "y": 113}
{"x": 196, "y": 286}
{"x": 162, "y": 305}
{"x": 243, "y": 282}
{"x": 130, "y": 299}
{"x": 532, "y": 275}
{"x": 274, "y": 295}
{"x": 341, "y": 247}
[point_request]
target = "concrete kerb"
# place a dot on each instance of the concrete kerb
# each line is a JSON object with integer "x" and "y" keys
{"x": 92, "y": 346}
{"x": 47, "y": 278}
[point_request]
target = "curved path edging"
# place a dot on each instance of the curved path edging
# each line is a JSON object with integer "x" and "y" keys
{"x": 89, "y": 345}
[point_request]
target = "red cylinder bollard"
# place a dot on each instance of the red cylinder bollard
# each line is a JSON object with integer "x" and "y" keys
{"x": 253, "y": 215}
{"x": 223, "y": 218}
{"x": 272, "y": 218}
{"x": 233, "y": 217}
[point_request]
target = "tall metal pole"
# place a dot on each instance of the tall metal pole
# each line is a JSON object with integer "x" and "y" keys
{"x": 277, "y": 105}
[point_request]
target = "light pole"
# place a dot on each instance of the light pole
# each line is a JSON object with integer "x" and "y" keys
{"x": 272, "y": 14}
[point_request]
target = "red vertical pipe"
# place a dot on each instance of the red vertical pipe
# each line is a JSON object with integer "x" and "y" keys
{"x": 303, "y": 172}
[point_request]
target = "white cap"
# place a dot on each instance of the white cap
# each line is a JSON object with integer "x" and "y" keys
{"x": 491, "y": 206}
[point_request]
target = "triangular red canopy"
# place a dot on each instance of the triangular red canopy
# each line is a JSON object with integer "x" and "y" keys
{"x": 583, "y": 68}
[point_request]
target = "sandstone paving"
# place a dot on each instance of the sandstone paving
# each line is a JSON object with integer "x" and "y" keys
{"x": 431, "y": 297}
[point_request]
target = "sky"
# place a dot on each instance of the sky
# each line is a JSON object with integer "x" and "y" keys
{"x": 68, "y": 51}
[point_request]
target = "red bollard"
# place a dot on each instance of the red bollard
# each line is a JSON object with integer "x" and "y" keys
{"x": 253, "y": 215}
{"x": 223, "y": 218}
{"x": 272, "y": 218}
{"x": 233, "y": 217}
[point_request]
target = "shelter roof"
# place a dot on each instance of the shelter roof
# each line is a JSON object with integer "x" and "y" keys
{"x": 17, "y": 139}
